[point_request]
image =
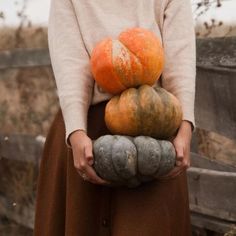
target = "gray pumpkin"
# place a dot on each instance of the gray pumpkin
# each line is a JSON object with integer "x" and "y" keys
{"x": 128, "y": 161}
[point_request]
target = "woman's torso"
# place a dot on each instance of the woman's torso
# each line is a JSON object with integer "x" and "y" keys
{"x": 99, "y": 19}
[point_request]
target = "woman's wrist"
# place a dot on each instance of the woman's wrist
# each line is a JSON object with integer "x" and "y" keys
{"x": 74, "y": 136}
{"x": 185, "y": 130}
{"x": 187, "y": 125}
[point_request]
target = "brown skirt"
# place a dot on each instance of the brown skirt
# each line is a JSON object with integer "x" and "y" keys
{"x": 68, "y": 205}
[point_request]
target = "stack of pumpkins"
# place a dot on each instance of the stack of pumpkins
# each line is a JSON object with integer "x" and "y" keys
{"x": 138, "y": 114}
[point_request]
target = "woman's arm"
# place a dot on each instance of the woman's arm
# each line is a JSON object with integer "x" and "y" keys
{"x": 180, "y": 71}
{"x": 70, "y": 63}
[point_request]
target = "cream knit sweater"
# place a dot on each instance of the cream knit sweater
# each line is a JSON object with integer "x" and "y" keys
{"x": 76, "y": 26}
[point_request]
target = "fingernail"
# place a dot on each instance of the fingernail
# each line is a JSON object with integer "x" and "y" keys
{"x": 178, "y": 163}
{"x": 90, "y": 162}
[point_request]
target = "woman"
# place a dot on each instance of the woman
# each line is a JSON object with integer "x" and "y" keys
{"x": 71, "y": 198}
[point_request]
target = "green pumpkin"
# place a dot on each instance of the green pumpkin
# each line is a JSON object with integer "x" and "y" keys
{"x": 128, "y": 161}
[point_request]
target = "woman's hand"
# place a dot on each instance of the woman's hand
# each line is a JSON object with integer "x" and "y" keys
{"x": 83, "y": 157}
{"x": 182, "y": 146}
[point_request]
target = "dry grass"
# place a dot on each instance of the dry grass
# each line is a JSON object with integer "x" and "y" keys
{"x": 30, "y": 37}
{"x": 216, "y": 147}
{"x": 232, "y": 232}
{"x": 212, "y": 30}
{"x": 28, "y": 100}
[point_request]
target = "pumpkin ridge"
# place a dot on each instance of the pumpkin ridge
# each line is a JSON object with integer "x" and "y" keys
{"x": 114, "y": 168}
{"x": 121, "y": 62}
{"x": 145, "y": 73}
{"x": 161, "y": 108}
{"x": 139, "y": 112}
{"x": 105, "y": 73}
{"x": 118, "y": 114}
{"x": 139, "y": 59}
{"x": 111, "y": 112}
{"x": 115, "y": 141}
{"x": 150, "y": 115}
{"x": 177, "y": 107}
{"x": 137, "y": 62}
{"x": 158, "y": 169}
{"x": 99, "y": 147}
{"x": 146, "y": 141}
{"x": 166, "y": 163}
{"x": 166, "y": 105}
{"x": 170, "y": 111}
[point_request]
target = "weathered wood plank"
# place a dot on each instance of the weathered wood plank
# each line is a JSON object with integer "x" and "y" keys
{"x": 20, "y": 147}
{"x": 19, "y": 166}
{"x": 211, "y": 223}
{"x": 11, "y": 228}
{"x": 18, "y": 189}
{"x": 212, "y": 193}
{"x": 20, "y": 58}
{"x": 203, "y": 162}
{"x": 215, "y": 106}
{"x": 217, "y": 53}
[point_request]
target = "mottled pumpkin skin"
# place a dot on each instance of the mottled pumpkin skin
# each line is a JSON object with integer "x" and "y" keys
{"x": 123, "y": 160}
{"x": 145, "y": 111}
{"x": 135, "y": 58}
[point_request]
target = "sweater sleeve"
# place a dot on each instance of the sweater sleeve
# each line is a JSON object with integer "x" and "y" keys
{"x": 70, "y": 63}
{"x": 180, "y": 55}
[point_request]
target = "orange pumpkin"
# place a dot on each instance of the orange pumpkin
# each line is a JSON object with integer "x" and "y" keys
{"x": 134, "y": 59}
{"x": 145, "y": 111}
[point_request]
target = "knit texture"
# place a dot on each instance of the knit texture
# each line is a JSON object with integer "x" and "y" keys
{"x": 76, "y": 26}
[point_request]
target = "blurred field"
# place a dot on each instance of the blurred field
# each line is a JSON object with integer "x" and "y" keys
{"x": 26, "y": 37}
{"x": 216, "y": 147}
{"x": 215, "y": 29}
{"x": 28, "y": 99}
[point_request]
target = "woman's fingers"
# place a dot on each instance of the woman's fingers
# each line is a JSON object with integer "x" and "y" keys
{"x": 182, "y": 153}
{"x": 183, "y": 156}
{"x": 178, "y": 163}
{"x": 82, "y": 148}
{"x": 181, "y": 162}
{"x": 88, "y": 170}
{"x": 182, "y": 147}
{"x": 83, "y": 161}
{"x": 92, "y": 176}
{"x": 179, "y": 154}
{"x": 85, "y": 170}
{"x": 88, "y": 153}
{"x": 174, "y": 172}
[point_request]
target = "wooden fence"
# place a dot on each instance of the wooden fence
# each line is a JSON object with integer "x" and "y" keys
{"x": 212, "y": 185}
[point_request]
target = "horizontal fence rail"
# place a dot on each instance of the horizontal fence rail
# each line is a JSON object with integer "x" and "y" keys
{"x": 212, "y": 54}
{"x": 24, "y": 58}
